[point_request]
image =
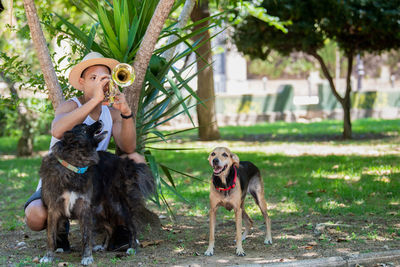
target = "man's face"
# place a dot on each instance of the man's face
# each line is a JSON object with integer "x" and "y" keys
{"x": 92, "y": 77}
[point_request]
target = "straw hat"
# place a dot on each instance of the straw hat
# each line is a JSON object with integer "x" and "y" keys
{"x": 91, "y": 59}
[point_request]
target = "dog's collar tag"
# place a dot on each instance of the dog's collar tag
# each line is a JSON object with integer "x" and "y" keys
{"x": 79, "y": 170}
{"x": 232, "y": 186}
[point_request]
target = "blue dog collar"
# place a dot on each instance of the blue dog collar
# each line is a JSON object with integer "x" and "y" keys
{"x": 79, "y": 170}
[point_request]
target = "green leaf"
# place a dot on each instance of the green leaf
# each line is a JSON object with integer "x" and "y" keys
{"x": 174, "y": 191}
{"x": 154, "y": 169}
{"x": 91, "y": 38}
{"x": 123, "y": 34}
{"x": 179, "y": 96}
{"x": 168, "y": 174}
{"x": 117, "y": 14}
{"x": 185, "y": 174}
{"x": 106, "y": 25}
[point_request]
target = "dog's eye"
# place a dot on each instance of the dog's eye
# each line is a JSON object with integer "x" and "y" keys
{"x": 225, "y": 155}
{"x": 212, "y": 154}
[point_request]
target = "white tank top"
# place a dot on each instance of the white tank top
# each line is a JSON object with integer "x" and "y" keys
{"x": 105, "y": 117}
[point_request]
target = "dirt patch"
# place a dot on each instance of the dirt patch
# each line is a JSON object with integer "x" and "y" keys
{"x": 184, "y": 242}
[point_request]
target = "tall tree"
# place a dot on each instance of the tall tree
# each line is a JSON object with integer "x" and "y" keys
{"x": 356, "y": 25}
{"x": 46, "y": 65}
{"x": 206, "y": 114}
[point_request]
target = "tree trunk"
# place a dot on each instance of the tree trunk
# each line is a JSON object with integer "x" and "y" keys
{"x": 25, "y": 142}
{"x": 145, "y": 52}
{"x": 347, "y": 131}
{"x": 206, "y": 115}
{"x": 345, "y": 101}
{"x": 39, "y": 42}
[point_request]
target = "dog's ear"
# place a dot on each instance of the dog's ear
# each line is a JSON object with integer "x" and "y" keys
{"x": 235, "y": 159}
{"x": 68, "y": 136}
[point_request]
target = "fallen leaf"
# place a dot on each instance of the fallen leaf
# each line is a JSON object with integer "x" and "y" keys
{"x": 310, "y": 193}
{"x": 318, "y": 199}
{"x": 392, "y": 213}
{"x": 150, "y": 243}
{"x": 308, "y": 247}
{"x": 340, "y": 239}
{"x": 322, "y": 190}
{"x": 335, "y": 167}
{"x": 291, "y": 183}
{"x": 312, "y": 243}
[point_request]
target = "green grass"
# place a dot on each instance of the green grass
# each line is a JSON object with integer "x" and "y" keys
{"x": 18, "y": 180}
{"x": 327, "y": 185}
{"x": 326, "y": 130}
{"x": 359, "y": 186}
{"x": 8, "y": 145}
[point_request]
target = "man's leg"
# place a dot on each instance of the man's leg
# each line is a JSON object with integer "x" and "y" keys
{"x": 36, "y": 220}
{"x": 35, "y": 212}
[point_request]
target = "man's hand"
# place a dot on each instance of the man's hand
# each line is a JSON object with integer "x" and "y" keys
{"x": 121, "y": 104}
{"x": 100, "y": 86}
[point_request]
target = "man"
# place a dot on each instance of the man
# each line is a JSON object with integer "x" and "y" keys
{"x": 90, "y": 76}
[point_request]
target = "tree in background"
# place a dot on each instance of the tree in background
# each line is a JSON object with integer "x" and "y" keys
{"x": 357, "y": 26}
{"x": 206, "y": 113}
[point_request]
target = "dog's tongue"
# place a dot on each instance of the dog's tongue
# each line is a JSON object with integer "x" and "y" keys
{"x": 217, "y": 169}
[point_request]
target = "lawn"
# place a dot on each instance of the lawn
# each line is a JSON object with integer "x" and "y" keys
{"x": 311, "y": 177}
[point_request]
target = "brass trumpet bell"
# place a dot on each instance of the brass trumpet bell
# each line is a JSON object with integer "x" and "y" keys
{"x": 122, "y": 75}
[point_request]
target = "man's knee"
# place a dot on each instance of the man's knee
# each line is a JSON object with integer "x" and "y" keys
{"x": 136, "y": 157}
{"x": 36, "y": 215}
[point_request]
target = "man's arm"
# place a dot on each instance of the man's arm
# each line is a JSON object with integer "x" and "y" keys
{"x": 68, "y": 115}
{"x": 124, "y": 130}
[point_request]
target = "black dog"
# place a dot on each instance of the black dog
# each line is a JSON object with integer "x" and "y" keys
{"x": 80, "y": 183}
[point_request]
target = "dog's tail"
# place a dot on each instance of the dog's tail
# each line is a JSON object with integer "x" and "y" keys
{"x": 141, "y": 176}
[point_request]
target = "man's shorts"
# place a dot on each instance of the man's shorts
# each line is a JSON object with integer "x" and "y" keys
{"x": 36, "y": 195}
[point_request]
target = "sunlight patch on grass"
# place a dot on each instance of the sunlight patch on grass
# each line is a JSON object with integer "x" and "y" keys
{"x": 341, "y": 176}
{"x": 359, "y": 202}
{"x": 288, "y": 237}
{"x": 332, "y": 204}
{"x": 288, "y": 207}
{"x": 383, "y": 179}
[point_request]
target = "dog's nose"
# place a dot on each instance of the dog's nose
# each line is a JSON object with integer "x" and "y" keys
{"x": 215, "y": 161}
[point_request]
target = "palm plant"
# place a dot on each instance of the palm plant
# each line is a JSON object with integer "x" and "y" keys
{"x": 165, "y": 92}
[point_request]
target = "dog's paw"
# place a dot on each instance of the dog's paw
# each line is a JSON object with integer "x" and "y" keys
{"x": 87, "y": 260}
{"x": 240, "y": 252}
{"x": 268, "y": 241}
{"x": 209, "y": 252}
{"x": 46, "y": 259}
{"x": 131, "y": 251}
{"x": 59, "y": 250}
{"x": 98, "y": 248}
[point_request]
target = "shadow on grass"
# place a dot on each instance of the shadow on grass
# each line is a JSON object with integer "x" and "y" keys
{"x": 328, "y": 130}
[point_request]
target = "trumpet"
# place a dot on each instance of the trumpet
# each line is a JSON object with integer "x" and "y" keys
{"x": 122, "y": 75}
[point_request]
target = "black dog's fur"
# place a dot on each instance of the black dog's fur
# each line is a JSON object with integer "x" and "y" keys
{"x": 106, "y": 193}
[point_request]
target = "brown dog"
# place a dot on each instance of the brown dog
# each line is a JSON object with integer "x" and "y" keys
{"x": 231, "y": 181}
